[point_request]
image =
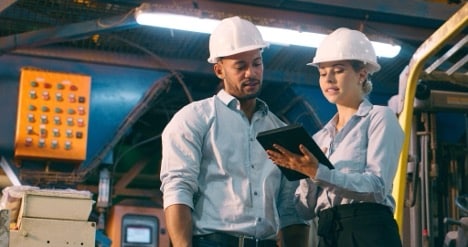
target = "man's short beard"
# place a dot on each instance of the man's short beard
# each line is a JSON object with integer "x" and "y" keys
{"x": 249, "y": 97}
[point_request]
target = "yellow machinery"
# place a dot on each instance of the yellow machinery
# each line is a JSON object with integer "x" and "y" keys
{"x": 449, "y": 30}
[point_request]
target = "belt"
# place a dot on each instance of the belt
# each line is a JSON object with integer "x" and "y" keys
{"x": 236, "y": 241}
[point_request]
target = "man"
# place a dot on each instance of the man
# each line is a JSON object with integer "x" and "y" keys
{"x": 219, "y": 187}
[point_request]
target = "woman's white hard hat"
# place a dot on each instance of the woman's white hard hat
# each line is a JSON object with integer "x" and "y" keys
{"x": 232, "y": 36}
{"x": 346, "y": 44}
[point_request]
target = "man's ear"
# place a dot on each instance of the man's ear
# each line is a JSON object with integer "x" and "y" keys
{"x": 218, "y": 70}
{"x": 363, "y": 75}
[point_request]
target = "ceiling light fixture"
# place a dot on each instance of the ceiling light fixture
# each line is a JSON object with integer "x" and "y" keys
{"x": 273, "y": 35}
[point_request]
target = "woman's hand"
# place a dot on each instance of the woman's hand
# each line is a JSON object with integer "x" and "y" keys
{"x": 305, "y": 163}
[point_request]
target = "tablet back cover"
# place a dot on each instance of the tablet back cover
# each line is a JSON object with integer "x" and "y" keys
{"x": 290, "y": 137}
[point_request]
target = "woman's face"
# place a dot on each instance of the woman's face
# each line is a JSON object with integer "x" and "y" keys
{"x": 242, "y": 74}
{"x": 340, "y": 83}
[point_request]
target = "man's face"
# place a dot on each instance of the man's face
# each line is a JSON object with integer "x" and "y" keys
{"x": 242, "y": 74}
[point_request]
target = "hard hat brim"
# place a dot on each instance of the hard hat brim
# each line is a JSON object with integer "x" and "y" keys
{"x": 371, "y": 66}
{"x": 237, "y": 51}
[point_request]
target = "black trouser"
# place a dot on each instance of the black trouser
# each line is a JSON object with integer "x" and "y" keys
{"x": 358, "y": 225}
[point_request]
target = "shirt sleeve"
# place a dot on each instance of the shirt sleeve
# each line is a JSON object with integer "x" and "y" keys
{"x": 182, "y": 140}
{"x": 286, "y": 204}
{"x": 306, "y": 198}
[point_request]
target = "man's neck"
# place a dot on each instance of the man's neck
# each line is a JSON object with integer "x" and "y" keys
{"x": 248, "y": 107}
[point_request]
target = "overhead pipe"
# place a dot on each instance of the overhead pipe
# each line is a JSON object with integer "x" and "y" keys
{"x": 66, "y": 32}
{"x": 155, "y": 91}
{"x": 6, "y": 3}
{"x": 10, "y": 172}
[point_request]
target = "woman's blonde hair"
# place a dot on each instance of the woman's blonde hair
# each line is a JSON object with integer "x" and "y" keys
{"x": 367, "y": 84}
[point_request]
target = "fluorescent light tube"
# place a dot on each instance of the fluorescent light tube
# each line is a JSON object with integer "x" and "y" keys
{"x": 180, "y": 22}
{"x": 273, "y": 35}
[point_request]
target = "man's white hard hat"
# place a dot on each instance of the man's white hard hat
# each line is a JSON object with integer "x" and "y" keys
{"x": 232, "y": 36}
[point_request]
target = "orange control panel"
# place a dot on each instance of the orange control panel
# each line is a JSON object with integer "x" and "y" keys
{"x": 52, "y": 120}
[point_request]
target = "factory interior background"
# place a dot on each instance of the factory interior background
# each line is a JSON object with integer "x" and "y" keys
{"x": 120, "y": 83}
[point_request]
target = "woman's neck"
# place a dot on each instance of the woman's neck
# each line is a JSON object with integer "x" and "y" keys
{"x": 344, "y": 114}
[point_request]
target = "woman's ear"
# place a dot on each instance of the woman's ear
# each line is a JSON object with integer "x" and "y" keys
{"x": 218, "y": 70}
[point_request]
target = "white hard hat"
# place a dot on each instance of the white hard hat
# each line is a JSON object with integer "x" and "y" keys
{"x": 346, "y": 44}
{"x": 232, "y": 36}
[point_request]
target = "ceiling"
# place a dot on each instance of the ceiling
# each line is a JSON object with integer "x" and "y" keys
{"x": 105, "y": 32}
{"x": 102, "y": 30}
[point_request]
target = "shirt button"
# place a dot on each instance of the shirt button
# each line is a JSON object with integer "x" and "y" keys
{"x": 255, "y": 193}
{"x": 259, "y": 219}
{"x": 252, "y": 166}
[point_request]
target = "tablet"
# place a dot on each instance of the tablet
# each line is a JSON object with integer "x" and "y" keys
{"x": 290, "y": 137}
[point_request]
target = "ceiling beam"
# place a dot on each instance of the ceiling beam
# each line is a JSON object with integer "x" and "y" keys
{"x": 200, "y": 67}
{"x": 138, "y": 61}
{"x": 131, "y": 174}
{"x": 416, "y": 9}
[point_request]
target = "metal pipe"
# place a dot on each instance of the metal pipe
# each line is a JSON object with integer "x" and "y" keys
{"x": 65, "y": 32}
{"x": 158, "y": 87}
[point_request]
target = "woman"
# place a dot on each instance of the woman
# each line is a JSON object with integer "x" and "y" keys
{"x": 363, "y": 141}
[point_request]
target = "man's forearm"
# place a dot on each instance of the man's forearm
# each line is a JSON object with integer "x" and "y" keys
{"x": 179, "y": 225}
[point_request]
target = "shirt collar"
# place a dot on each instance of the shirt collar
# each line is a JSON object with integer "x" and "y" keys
{"x": 364, "y": 108}
{"x": 231, "y": 102}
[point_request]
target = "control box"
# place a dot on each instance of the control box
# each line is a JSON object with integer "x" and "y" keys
{"x": 137, "y": 226}
{"x": 53, "y": 113}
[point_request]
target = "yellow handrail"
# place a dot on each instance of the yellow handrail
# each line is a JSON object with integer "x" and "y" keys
{"x": 453, "y": 26}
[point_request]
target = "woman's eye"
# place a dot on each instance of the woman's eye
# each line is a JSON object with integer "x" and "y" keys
{"x": 339, "y": 70}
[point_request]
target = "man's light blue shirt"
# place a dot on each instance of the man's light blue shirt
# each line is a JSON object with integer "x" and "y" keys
{"x": 213, "y": 163}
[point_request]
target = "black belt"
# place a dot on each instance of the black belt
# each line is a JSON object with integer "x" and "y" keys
{"x": 236, "y": 241}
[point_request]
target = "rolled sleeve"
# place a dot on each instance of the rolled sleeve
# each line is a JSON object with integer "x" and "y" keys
{"x": 180, "y": 165}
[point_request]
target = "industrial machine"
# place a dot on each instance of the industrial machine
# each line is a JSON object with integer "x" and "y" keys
{"x": 433, "y": 168}
{"x": 53, "y": 218}
{"x": 52, "y": 120}
{"x": 137, "y": 225}
{"x": 459, "y": 236}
